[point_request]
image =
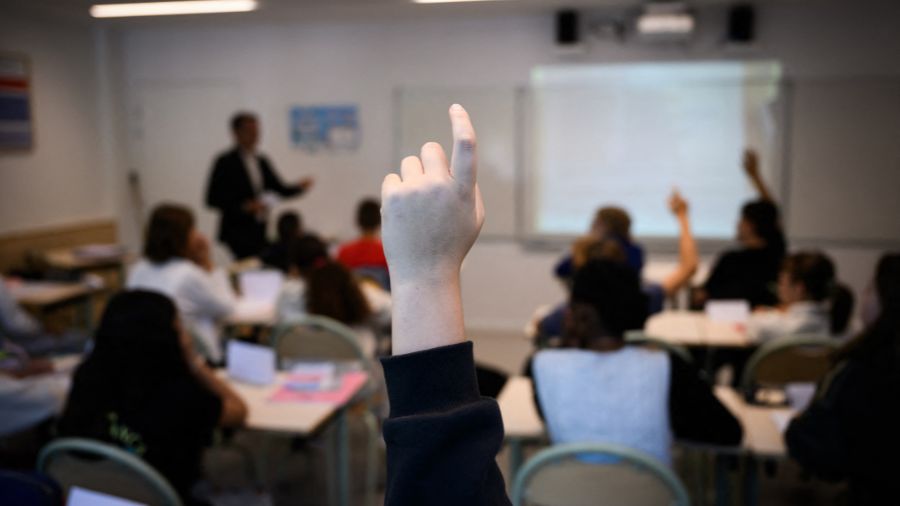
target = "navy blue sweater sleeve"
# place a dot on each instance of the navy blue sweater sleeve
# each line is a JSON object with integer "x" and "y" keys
{"x": 442, "y": 436}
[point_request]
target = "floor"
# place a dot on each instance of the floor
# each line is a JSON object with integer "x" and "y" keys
{"x": 297, "y": 477}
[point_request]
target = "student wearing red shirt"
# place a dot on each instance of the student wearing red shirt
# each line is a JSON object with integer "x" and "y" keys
{"x": 365, "y": 252}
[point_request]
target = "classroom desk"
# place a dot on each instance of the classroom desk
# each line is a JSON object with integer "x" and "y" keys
{"x": 44, "y": 296}
{"x": 762, "y": 435}
{"x": 90, "y": 259}
{"x": 296, "y": 418}
{"x": 693, "y": 328}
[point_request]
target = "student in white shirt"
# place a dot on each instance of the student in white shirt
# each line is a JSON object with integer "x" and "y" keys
{"x": 177, "y": 263}
{"x": 812, "y": 303}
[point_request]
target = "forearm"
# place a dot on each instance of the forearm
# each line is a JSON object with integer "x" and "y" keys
{"x": 761, "y": 187}
{"x": 688, "y": 258}
{"x": 427, "y": 313}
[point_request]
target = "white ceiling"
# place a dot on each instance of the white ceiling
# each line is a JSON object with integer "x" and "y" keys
{"x": 313, "y": 10}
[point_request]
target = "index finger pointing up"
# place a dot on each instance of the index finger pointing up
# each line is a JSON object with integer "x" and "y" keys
{"x": 463, "y": 160}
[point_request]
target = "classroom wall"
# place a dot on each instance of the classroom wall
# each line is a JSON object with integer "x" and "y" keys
{"x": 270, "y": 67}
{"x": 62, "y": 179}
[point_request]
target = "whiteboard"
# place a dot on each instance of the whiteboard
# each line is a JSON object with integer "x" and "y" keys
{"x": 421, "y": 116}
{"x": 845, "y": 160}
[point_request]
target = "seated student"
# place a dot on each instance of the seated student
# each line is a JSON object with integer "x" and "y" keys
{"x": 442, "y": 438}
{"x": 638, "y": 397}
{"x": 320, "y": 286}
{"x": 588, "y": 248}
{"x": 290, "y": 227}
{"x": 177, "y": 263}
{"x": 19, "y": 327}
{"x": 143, "y": 389}
{"x": 749, "y": 272}
{"x": 849, "y": 432}
{"x": 811, "y": 302}
{"x": 29, "y": 393}
{"x": 366, "y": 251}
{"x": 609, "y": 223}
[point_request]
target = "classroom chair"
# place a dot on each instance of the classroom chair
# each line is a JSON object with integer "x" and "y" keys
{"x": 596, "y": 473}
{"x": 318, "y": 338}
{"x": 640, "y": 338}
{"x": 100, "y": 467}
{"x": 796, "y": 359}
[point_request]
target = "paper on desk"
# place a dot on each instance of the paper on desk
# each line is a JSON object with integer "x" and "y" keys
{"x": 82, "y": 497}
{"x": 782, "y": 419}
{"x": 251, "y": 363}
{"x": 261, "y": 285}
{"x": 351, "y": 382}
{"x": 734, "y": 311}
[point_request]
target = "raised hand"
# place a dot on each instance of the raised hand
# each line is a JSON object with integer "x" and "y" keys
{"x": 431, "y": 215}
{"x": 751, "y": 163}
{"x": 677, "y": 204}
{"x": 432, "y": 212}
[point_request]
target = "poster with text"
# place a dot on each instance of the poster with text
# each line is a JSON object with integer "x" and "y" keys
{"x": 333, "y": 128}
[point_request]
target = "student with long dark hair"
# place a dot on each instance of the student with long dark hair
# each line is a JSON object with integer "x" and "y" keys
{"x": 142, "y": 388}
{"x": 177, "y": 263}
{"x": 812, "y": 302}
{"x": 849, "y": 432}
{"x": 749, "y": 272}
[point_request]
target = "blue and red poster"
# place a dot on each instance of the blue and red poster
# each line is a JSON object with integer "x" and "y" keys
{"x": 16, "y": 119}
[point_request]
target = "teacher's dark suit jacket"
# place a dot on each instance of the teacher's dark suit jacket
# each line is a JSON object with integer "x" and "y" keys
{"x": 229, "y": 188}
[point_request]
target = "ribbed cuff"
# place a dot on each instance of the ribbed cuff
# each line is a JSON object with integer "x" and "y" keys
{"x": 432, "y": 380}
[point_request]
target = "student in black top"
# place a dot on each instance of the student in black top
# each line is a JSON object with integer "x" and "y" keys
{"x": 144, "y": 389}
{"x": 850, "y": 431}
{"x": 238, "y": 185}
{"x": 750, "y": 272}
{"x": 442, "y": 437}
{"x": 290, "y": 228}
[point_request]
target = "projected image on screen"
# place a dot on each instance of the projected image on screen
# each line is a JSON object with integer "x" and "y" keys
{"x": 626, "y": 134}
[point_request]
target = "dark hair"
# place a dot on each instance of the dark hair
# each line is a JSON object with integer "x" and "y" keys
{"x": 606, "y": 301}
{"x": 306, "y": 252}
{"x": 167, "y": 232}
{"x": 238, "y": 119}
{"x": 332, "y": 291}
{"x": 290, "y": 225}
{"x": 816, "y": 272}
{"x": 766, "y": 221}
{"x": 368, "y": 214}
{"x": 137, "y": 349}
{"x": 879, "y": 344}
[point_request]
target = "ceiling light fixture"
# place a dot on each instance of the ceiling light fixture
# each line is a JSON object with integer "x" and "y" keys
{"x": 171, "y": 8}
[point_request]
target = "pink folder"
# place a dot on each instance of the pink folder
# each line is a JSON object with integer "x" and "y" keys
{"x": 351, "y": 383}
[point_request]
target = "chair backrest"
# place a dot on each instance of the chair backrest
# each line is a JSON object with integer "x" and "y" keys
{"x": 101, "y": 467}
{"x": 589, "y": 474}
{"x": 798, "y": 359}
{"x": 640, "y": 338}
{"x": 313, "y": 337}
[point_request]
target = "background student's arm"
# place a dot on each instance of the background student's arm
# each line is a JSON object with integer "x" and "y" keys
{"x": 234, "y": 410}
{"x": 751, "y": 167}
{"x": 688, "y": 259}
{"x": 442, "y": 437}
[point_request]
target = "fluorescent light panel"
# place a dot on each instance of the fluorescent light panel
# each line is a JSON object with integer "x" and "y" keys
{"x": 171, "y": 8}
{"x": 449, "y": 1}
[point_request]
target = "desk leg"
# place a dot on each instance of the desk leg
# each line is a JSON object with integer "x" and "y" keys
{"x": 342, "y": 473}
{"x": 515, "y": 458}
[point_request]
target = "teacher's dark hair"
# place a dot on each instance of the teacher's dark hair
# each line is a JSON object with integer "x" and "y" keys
{"x": 766, "y": 220}
{"x": 168, "y": 232}
{"x": 238, "y": 119}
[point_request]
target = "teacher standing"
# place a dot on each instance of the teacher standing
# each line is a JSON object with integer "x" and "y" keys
{"x": 244, "y": 187}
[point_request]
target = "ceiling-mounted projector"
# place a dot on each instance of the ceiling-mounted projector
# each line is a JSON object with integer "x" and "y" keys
{"x": 665, "y": 21}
